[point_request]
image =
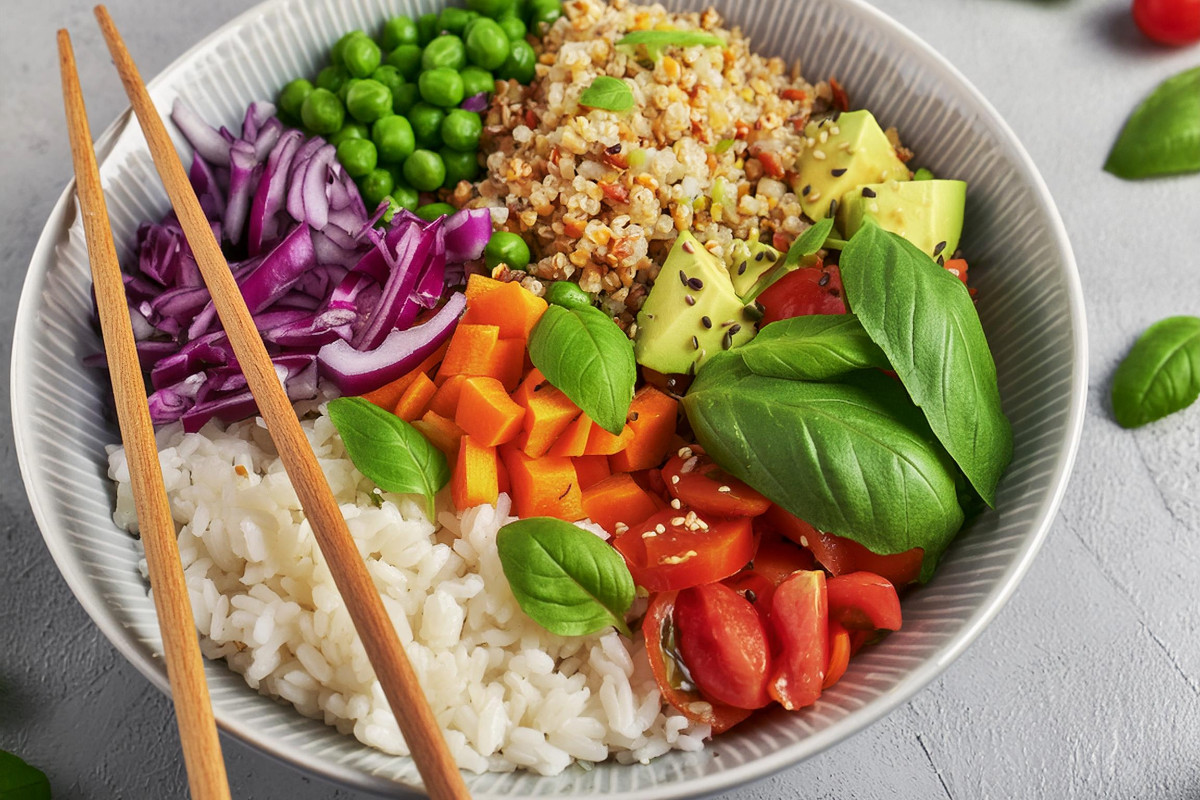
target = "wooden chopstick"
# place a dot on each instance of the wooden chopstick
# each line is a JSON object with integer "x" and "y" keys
{"x": 411, "y": 708}
{"x": 185, "y": 666}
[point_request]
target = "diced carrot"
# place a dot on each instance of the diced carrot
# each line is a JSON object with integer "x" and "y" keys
{"x": 445, "y": 399}
{"x": 510, "y": 306}
{"x": 534, "y": 380}
{"x": 441, "y": 432}
{"x": 474, "y": 480}
{"x": 415, "y": 400}
{"x": 602, "y": 443}
{"x": 388, "y": 395}
{"x": 548, "y": 413}
{"x": 487, "y": 412}
{"x": 470, "y": 351}
{"x": 573, "y": 440}
{"x": 617, "y": 499}
{"x": 591, "y": 470}
{"x": 479, "y": 285}
{"x": 543, "y": 487}
{"x": 508, "y": 361}
{"x": 652, "y": 416}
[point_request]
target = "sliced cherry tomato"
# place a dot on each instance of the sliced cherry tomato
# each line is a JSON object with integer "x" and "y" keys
{"x": 675, "y": 549}
{"x": 756, "y": 587}
{"x": 724, "y": 645}
{"x": 864, "y": 601}
{"x": 800, "y": 621}
{"x": 839, "y": 654}
{"x": 778, "y": 557}
{"x": 804, "y": 291}
{"x": 658, "y": 629}
{"x": 1174, "y": 22}
{"x": 701, "y": 485}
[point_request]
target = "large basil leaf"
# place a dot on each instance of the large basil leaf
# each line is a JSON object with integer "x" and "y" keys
{"x": 20, "y": 781}
{"x": 1162, "y": 136}
{"x": 569, "y": 581}
{"x": 812, "y": 348}
{"x": 1160, "y": 375}
{"x": 583, "y": 353}
{"x": 388, "y": 450}
{"x": 853, "y": 459}
{"x": 923, "y": 319}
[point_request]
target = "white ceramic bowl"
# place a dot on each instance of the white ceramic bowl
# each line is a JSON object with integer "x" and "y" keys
{"x": 1029, "y": 300}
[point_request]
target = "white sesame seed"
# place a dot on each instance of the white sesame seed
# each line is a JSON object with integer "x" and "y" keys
{"x": 676, "y": 504}
{"x": 674, "y": 479}
{"x": 819, "y": 155}
{"x": 688, "y": 465}
{"x": 724, "y": 489}
{"x": 804, "y": 541}
{"x": 677, "y": 521}
{"x": 660, "y": 528}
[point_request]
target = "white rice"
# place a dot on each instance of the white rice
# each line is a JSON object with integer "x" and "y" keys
{"x": 507, "y": 693}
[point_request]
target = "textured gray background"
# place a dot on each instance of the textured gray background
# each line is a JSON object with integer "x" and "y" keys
{"x": 1086, "y": 685}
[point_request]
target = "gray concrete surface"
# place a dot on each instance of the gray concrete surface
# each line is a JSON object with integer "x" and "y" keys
{"x": 1086, "y": 685}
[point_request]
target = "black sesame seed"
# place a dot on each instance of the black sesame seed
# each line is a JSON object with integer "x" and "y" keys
{"x": 726, "y": 341}
{"x": 760, "y": 307}
{"x": 538, "y": 388}
{"x": 695, "y": 283}
{"x": 691, "y": 370}
{"x": 671, "y": 383}
{"x": 687, "y": 248}
{"x": 771, "y": 257}
{"x": 759, "y": 255}
{"x": 612, "y": 151}
{"x": 837, "y": 173}
{"x": 751, "y": 596}
{"x": 824, "y": 279}
{"x": 695, "y": 343}
{"x": 742, "y": 267}
{"x": 868, "y": 191}
{"x": 833, "y": 207}
{"x": 804, "y": 192}
{"x": 753, "y": 311}
{"x": 941, "y": 261}
{"x": 733, "y": 329}
{"x": 691, "y": 301}
{"x": 683, "y": 278}
{"x": 939, "y": 247}
{"x": 633, "y": 416}
{"x": 706, "y": 322}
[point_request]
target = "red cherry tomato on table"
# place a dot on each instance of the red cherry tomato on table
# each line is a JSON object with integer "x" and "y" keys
{"x": 724, "y": 645}
{"x": 687, "y": 551}
{"x": 702, "y": 486}
{"x": 864, "y": 601}
{"x": 1174, "y": 22}
{"x": 800, "y": 622}
{"x": 804, "y": 291}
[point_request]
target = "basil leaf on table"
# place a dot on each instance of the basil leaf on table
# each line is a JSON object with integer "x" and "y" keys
{"x": 805, "y": 245}
{"x": 569, "y": 581}
{"x": 1162, "y": 136}
{"x": 20, "y": 781}
{"x": 923, "y": 319}
{"x": 1160, "y": 375}
{"x": 388, "y": 450}
{"x": 583, "y": 353}
{"x": 610, "y": 94}
{"x": 855, "y": 459}
{"x": 816, "y": 347}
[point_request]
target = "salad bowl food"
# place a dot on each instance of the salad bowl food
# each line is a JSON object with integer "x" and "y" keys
{"x": 1028, "y": 300}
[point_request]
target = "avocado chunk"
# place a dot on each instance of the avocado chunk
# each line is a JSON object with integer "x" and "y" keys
{"x": 928, "y": 213}
{"x": 845, "y": 153}
{"x": 748, "y": 261}
{"x": 691, "y": 312}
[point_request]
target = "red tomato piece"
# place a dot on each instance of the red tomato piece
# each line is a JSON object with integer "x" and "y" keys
{"x": 778, "y": 557}
{"x": 864, "y": 601}
{"x": 839, "y": 654}
{"x": 804, "y": 291}
{"x": 675, "y": 549}
{"x": 1174, "y": 22}
{"x": 702, "y": 486}
{"x": 800, "y": 621}
{"x": 658, "y": 628}
{"x": 724, "y": 645}
{"x": 756, "y": 587}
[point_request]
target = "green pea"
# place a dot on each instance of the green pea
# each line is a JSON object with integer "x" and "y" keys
{"x": 358, "y": 156}
{"x": 322, "y": 112}
{"x": 513, "y": 27}
{"x": 519, "y": 65}
{"x": 477, "y": 81}
{"x": 431, "y": 211}
{"x": 393, "y": 137}
{"x": 454, "y": 20}
{"x": 444, "y": 51}
{"x": 351, "y": 130}
{"x": 292, "y": 97}
{"x": 509, "y": 248}
{"x": 460, "y": 166}
{"x": 368, "y": 100}
{"x": 406, "y": 196}
{"x": 424, "y": 170}
{"x": 427, "y": 125}
{"x": 390, "y": 77}
{"x": 339, "y": 47}
{"x": 407, "y": 60}
{"x": 361, "y": 56}
{"x": 397, "y": 31}
{"x": 375, "y": 185}
{"x": 491, "y": 8}
{"x": 428, "y": 27}
{"x": 332, "y": 78}
{"x": 561, "y": 293}
{"x": 487, "y": 44}
{"x": 405, "y": 97}
{"x": 461, "y": 130}
{"x": 441, "y": 87}
{"x": 344, "y": 90}
{"x": 543, "y": 14}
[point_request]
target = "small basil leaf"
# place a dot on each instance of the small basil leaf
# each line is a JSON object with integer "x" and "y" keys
{"x": 812, "y": 348}
{"x": 923, "y": 319}
{"x": 1162, "y": 136}
{"x": 569, "y": 581}
{"x": 806, "y": 244}
{"x": 1160, "y": 375}
{"x": 610, "y": 94}
{"x": 583, "y": 353}
{"x": 388, "y": 450}
{"x": 20, "y": 781}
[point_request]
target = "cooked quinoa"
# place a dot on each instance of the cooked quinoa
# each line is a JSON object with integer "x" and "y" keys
{"x": 600, "y": 195}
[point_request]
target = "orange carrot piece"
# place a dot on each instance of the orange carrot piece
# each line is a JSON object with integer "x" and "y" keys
{"x": 415, "y": 400}
{"x": 548, "y": 413}
{"x": 474, "y": 480}
{"x": 543, "y": 487}
{"x": 388, "y": 395}
{"x": 533, "y": 382}
{"x": 508, "y": 362}
{"x": 591, "y": 470}
{"x": 445, "y": 399}
{"x": 479, "y": 285}
{"x": 617, "y": 499}
{"x": 441, "y": 432}
{"x": 470, "y": 351}
{"x": 652, "y": 416}
{"x": 486, "y": 412}
{"x": 602, "y": 443}
{"x": 510, "y": 306}
{"x": 573, "y": 440}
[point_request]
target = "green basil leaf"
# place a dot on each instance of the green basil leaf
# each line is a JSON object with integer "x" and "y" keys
{"x": 923, "y": 319}
{"x": 1160, "y": 375}
{"x": 805, "y": 245}
{"x": 388, "y": 450}
{"x": 611, "y": 94}
{"x": 812, "y": 348}
{"x": 569, "y": 581}
{"x": 588, "y": 358}
{"x": 1162, "y": 136}
{"x": 655, "y": 41}
{"x": 20, "y": 781}
{"x": 855, "y": 459}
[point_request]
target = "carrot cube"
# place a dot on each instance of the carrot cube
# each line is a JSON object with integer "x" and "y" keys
{"x": 479, "y": 285}
{"x": 474, "y": 480}
{"x": 445, "y": 399}
{"x": 415, "y": 400}
{"x": 591, "y": 470}
{"x": 470, "y": 351}
{"x": 441, "y": 432}
{"x": 652, "y": 416}
{"x": 602, "y": 443}
{"x": 388, "y": 395}
{"x": 548, "y": 413}
{"x": 508, "y": 361}
{"x": 543, "y": 487}
{"x": 510, "y": 306}
{"x": 574, "y": 438}
{"x": 617, "y": 499}
{"x": 486, "y": 412}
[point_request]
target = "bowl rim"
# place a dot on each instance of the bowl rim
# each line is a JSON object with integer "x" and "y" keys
{"x": 61, "y": 218}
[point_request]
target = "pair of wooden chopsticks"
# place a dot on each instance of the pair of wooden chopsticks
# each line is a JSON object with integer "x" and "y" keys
{"x": 202, "y": 754}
